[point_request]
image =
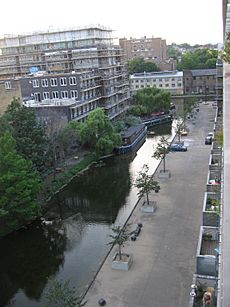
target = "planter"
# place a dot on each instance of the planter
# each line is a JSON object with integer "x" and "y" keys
{"x": 211, "y": 209}
{"x": 148, "y": 208}
{"x": 207, "y": 251}
{"x": 123, "y": 264}
{"x": 164, "y": 174}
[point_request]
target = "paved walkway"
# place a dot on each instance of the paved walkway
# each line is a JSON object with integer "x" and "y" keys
{"x": 164, "y": 253}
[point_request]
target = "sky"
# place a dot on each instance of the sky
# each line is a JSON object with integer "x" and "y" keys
{"x": 179, "y": 21}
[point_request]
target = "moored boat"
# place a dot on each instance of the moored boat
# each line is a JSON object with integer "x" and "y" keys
{"x": 132, "y": 138}
{"x": 157, "y": 120}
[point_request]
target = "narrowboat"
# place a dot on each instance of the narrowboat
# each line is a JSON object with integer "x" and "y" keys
{"x": 157, "y": 120}
{"x": 132, "y": 139}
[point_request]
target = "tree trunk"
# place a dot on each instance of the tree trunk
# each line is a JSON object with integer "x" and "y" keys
{"x": 147, "y": 198}
{"x": 164, "y": 164}
{"x": 119, "y": 252}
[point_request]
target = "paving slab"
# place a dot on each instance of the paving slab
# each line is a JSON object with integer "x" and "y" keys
{"x": 164, "y": 252}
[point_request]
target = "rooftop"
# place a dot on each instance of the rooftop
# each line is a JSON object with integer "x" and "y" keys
{"x": 159, "y": 74}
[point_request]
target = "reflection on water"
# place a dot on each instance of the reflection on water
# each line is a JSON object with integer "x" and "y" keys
{"x": 72, "y": 247}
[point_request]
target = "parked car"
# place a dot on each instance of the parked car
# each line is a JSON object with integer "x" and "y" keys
{"x": 211, "y": 134}
{"x": 177, "y": 147}
{"x": 184, "y": 132}
{"x": 208, "y": 140}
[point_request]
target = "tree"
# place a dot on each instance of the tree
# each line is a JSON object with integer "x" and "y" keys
{"x": 180, "y": 126}
{"x": 140, "y": 65}
{"x": 19, "y": 185}
{"x": 162, "y": 149}
{"x": 145, "y": 183}
{"x": 199, "y": 59}
{"x": 61, "y": 294}
{"x": 30, "y": 136}
{"x": 98, "y": 133}
{"x": 173, "y": 52}
{"x": 153, "y": 99}
{"x": 120, "y": 236}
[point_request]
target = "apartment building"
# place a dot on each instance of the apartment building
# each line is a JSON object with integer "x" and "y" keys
{"x": 200, "y": 81}
{"x": 45, "y": 60}
{"x": 171, "y": 81}
{"x": 154, "y": 49}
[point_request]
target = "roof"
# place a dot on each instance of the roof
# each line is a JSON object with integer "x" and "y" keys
{"x": 160, "y": 74}
{"x": 203, "y": 72}
{"x": 131, "y": 130}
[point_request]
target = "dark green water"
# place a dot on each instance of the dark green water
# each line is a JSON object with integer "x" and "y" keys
{"x": 73, "y": 247}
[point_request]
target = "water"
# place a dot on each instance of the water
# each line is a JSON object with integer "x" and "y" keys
{"x": 76, "y": 243}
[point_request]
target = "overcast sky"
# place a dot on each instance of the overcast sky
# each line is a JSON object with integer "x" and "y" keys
{"x": 179, "y": 21}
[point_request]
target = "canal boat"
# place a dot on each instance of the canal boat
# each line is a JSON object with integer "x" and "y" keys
{"x": 132, "y": 138}
{"x": 157, "y": 120}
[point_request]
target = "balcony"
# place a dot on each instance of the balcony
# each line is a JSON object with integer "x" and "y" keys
{"x": 207, "y": 251}
{"x": 211, "y": 209}
{"x": 213, "y": 180}
{"x": 215, "y": 162}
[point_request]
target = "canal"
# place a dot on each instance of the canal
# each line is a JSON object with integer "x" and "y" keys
{"x": 75, "y": 243}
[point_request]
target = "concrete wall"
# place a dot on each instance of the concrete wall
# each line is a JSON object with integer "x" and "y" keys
{"x": 210, "y": 218}
{"x": 206, "y": 264}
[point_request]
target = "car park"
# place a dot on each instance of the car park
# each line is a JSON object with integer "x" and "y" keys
{"x": 177, "y": 147}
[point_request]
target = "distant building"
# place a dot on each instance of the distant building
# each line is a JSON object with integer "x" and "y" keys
{"x": 9, "y": 89}
{"x": 152, "y": 49}
{"x": 200, "y": 81}
{"x": 219, "y": 84}
{"x": 81, "y": 65}
{"x": 171, "y": 81}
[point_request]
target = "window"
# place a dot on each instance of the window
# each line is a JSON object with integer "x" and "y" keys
{"x": 55, "y": 94}
{"x": 72, "y": 80}
{"x": 8, "y": 85}
{"x": 64, "y": 94}
{"x": 53, "y": 81}
{"x": 37, "y": 97}
{"x": 63, "y": 81}
{"x": 44, "y": 82}
{"x": 46, "y": 95}
{"x": 35, "y": 83}
{"x": 74, "y": 94}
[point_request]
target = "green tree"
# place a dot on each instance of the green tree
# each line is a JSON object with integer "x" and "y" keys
{"x": 98, "y": 133}
{"x": 199, "y": 59}
{"x": 161, "y": 150}
{"x": 5, "y": 125}
{"x": 153, "y": 99}
{"x": 180, "y": 126}
{"x": 173, "y": 52}
{"x": 145, "y": 183}
{"x": 140, "y": 65}
{"x": 31, "y": 139}
{"x": 119, "y": 237}
{"x": 19, "y": 185}
{"x": 61, "y": 294}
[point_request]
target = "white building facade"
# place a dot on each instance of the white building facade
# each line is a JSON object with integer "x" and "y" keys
{"x": 171, "y": 81}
